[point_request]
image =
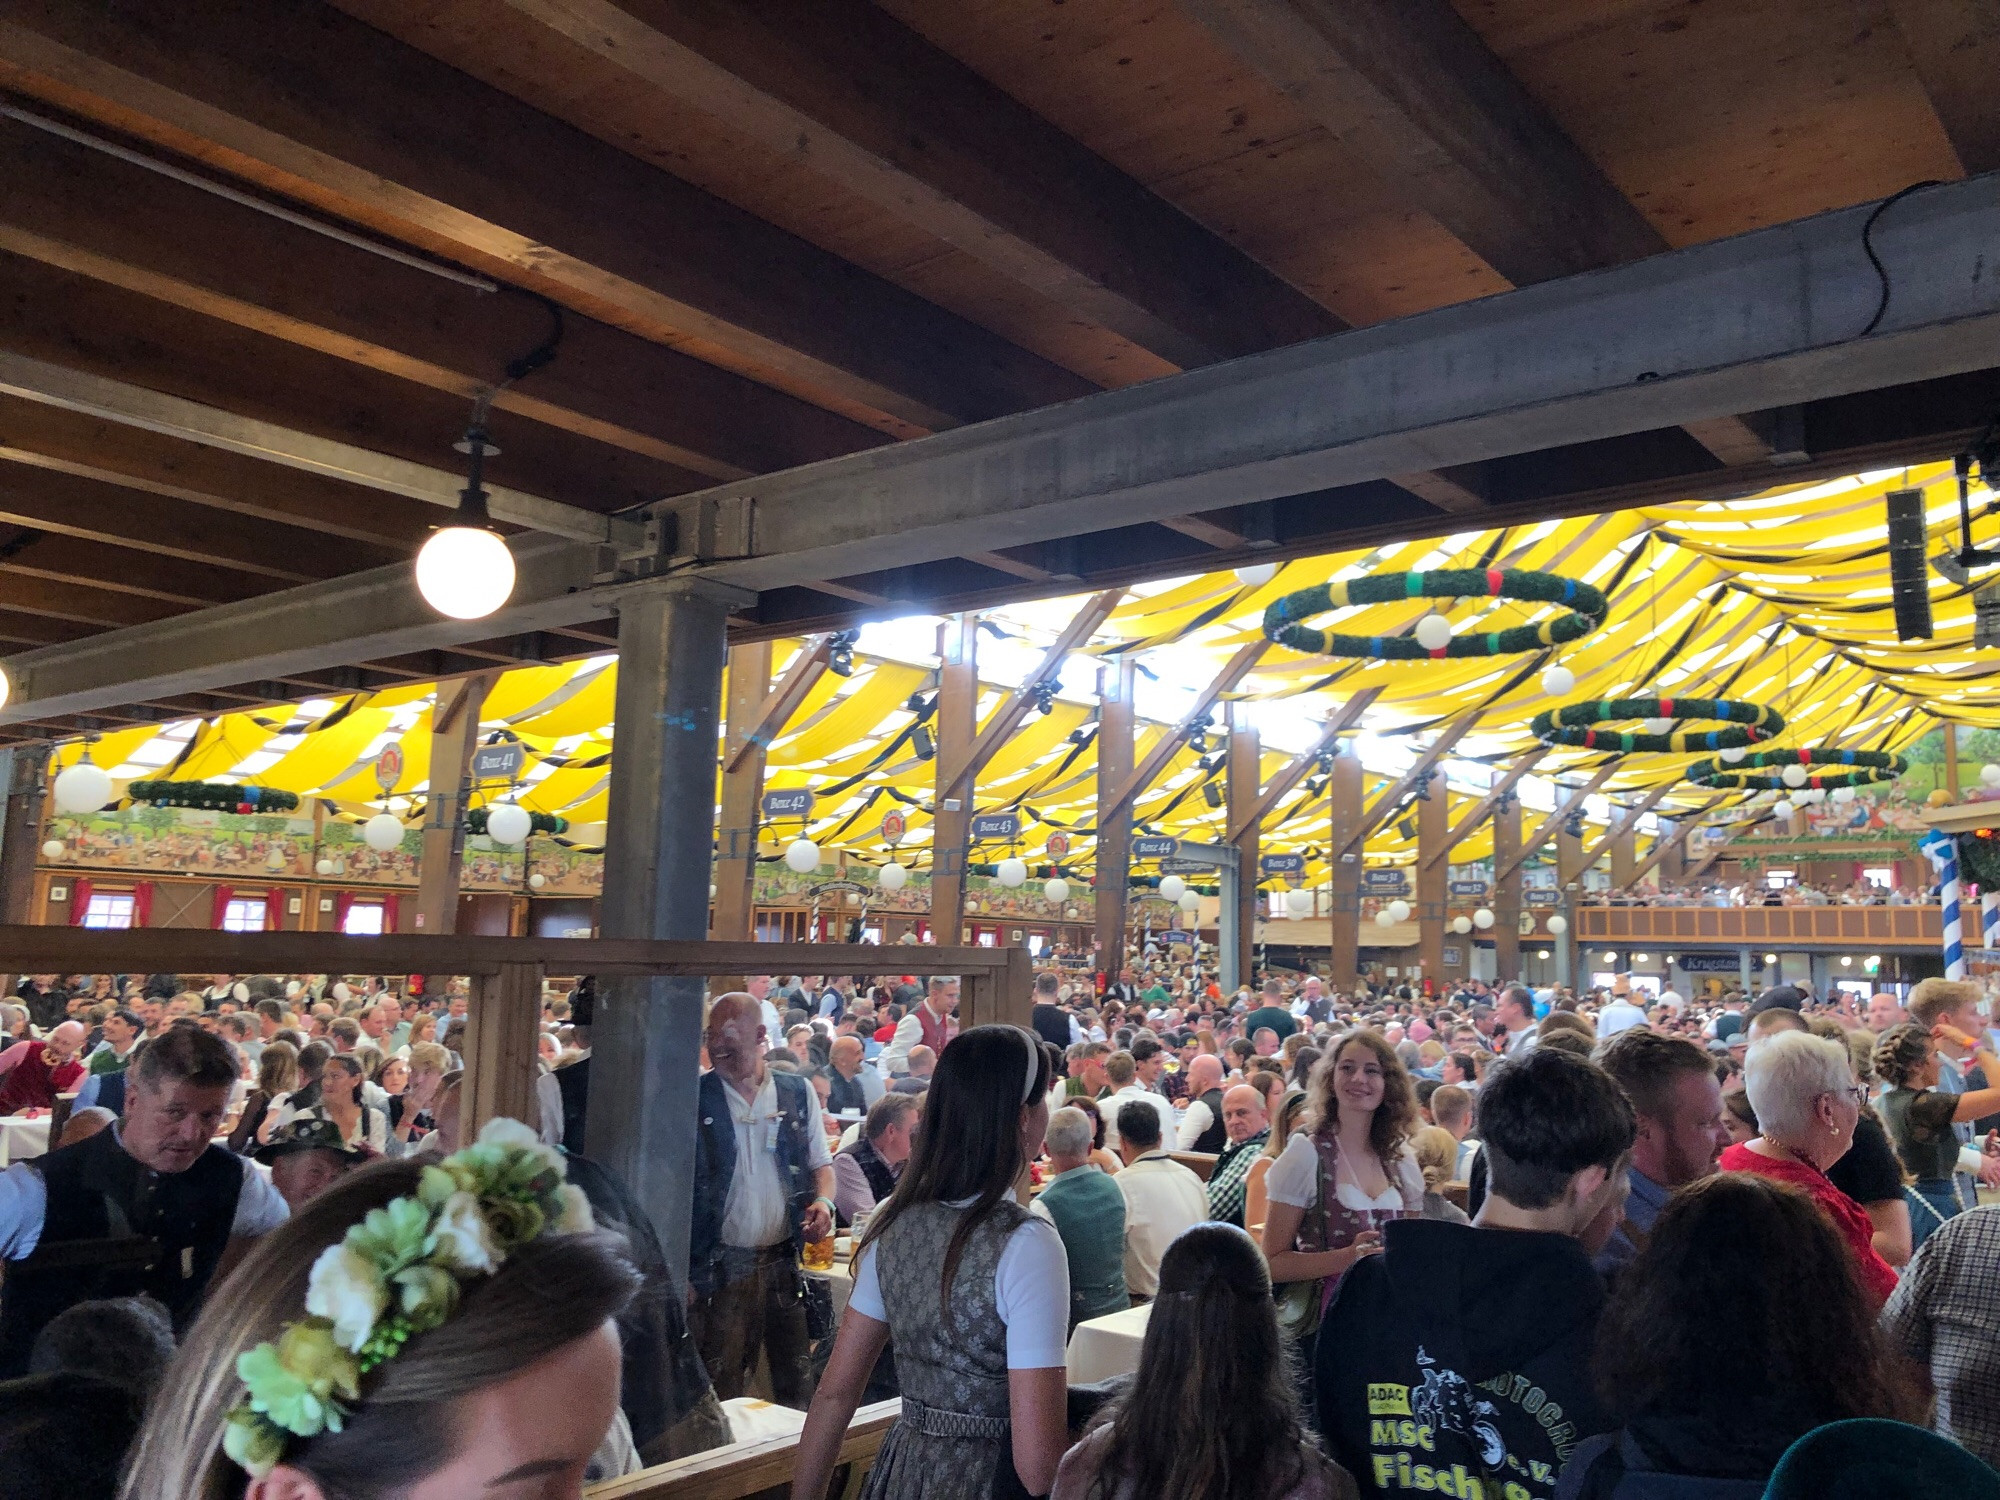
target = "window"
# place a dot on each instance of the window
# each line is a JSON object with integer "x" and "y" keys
{"x": 108, "y": 909}
{"x": 364, "y": 919}
{"x": 244, "y": 914}
{"x": 1035, "y": 944}
{"x": 1882, "y": 877}
{"x": 1778, "y": 880}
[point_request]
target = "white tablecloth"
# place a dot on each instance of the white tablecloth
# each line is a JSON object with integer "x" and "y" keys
{"x": 1107, "y": 1346}
{"x": 754, "y": 1421}
{"x": 21, "y": 1137}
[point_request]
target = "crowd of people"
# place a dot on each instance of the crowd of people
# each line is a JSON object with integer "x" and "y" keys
{"x": 1500, "y": 1242}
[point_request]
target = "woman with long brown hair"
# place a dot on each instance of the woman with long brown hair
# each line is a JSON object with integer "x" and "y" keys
{"x": 1345, "y": 1173}
{"x": 1739, "y": 1329}
{"x": 974, "y": 1290}
{"x": 277, "y": 1073}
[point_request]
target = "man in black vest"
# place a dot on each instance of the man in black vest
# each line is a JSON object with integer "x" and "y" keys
{"x": 865, "y": 1173}
{"x": 1052, "y": 1023}
{"x": 151, "y": 1205}
{"x": 1201, "y": 1126}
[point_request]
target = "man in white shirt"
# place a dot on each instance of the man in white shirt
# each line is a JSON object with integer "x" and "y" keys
{"x": 1162, "y": 1197}
{"x": 1121, "y": 1072}
{"x": 759, "y": 986}
{"x": 1514, "y": 1018}
{"x": 928, "y": 1024}
{"x": 1620, "y": 1015}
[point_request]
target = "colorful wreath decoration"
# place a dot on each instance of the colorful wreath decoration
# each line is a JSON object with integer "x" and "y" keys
{"x": 1573, "y": 724}
{"x": 1281, "y": 619}
{"x": 213, "y": 796}
{"x": 1857, "y": 768}
{"x": 538, "y": 822}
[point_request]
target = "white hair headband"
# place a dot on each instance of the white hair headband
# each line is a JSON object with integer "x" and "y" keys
{"x": 1034, "y": 1064}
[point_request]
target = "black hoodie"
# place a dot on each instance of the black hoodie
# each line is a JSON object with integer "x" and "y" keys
{"x": 1457, "y": 1362}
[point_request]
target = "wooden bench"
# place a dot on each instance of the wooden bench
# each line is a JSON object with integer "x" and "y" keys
{"x": 743, "y": 1470}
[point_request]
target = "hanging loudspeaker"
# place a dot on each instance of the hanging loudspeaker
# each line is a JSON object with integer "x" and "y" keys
{"x": 1909, "y": 579}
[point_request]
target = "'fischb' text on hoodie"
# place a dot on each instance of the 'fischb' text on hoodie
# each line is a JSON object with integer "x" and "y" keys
{"x": 1457, "y": 1362}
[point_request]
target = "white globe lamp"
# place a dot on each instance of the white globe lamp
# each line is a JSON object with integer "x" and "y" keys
{"x": 1558, "y": 681}
{"x": 1782, "y": 808}
{"x": 1795, "y": 775}
{"x": 1298, "y": 903}
{"x": 893, "y": 876}
{"x": 1383, "y": 919}
{"x": 1659, "y": 726}
{"x": 1461, "y": 925}
{"x": 508, "y": 823}
{"x": 1190, "y": 902}
{"x": 383, "y": 832}
{"x": 1482, "y": 919}
{"x": 1011, "y": 872}
{"x": 53, "y": 849}
{"x": 1990, "y": 774}
{"x": 1399, "y": 911}
{"x": 1171, "y": 887}
{"x": 465, "y": 572}
{"x": 323, "y": 867}
{"x": 537, "y": 880}
{"x": 82, "y": 788}
{"x": 1056, "y": 890}
{"x": 1434, "y": 632}
{"x": 1732, "y": 756}
{"x": 1252, "y": 575}
{"x": 1843, "y": 794}
{"x": 1558, "y": 924}
{"x": 802, "y": 856}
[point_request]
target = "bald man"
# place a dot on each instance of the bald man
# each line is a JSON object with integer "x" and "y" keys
{"x": 1248, "y": 1126}
{"x": 37, "y": 1071}
{"x": 763, "y": 1190}
{"x": 1201, "y": 1127}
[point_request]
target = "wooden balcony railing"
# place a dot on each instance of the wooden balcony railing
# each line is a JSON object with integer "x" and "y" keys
{"x": 1873, "y": 928}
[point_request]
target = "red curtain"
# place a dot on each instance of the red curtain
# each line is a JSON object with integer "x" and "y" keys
{"x": 142, "y": 904}
{"x": 343, "y": 902}
{"x": 223, "y": 895}
{"x": 274, "y": 909}
{"x": 388, "y": 914}
{"x": 79, "y": 901}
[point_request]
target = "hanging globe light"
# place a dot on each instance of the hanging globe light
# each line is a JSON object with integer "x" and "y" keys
{"x": 1298, "y": 903}
{"x": 1434, "y": 632}
{"x": 1795, "y": 775}
{"x": 465, "y": 571}
{"x": 82, "y": 788}
{"x": 1011, "y": 872}
{"x": 1056, "y": 890}
{"x": 1251, "y": 575}
{"x": 1171, "y": 887}
{"x": 1989, "y": 773}
{"x": 1461, "y": 925}
{"x": 802, "y": 856}
{"x": 1190, "y": 902}
{"x": 1482, "y": 919}
{"x": 1659, "y": 726}
{"x": 1383, "y": 919}
{"x": 383, "y": 832}
{"x": 54, "y": 849}
{"x": 1782, "y": 808}
{"x": 893, "y": 876}
{"x": 1399, "y": 911}
{"x": 508, "y": 823}
{"x": 323, "y": 867}
{"x": 1558, "y": 924}
{"x": 1733, "y": 756}
{"x": 537, "y": 880}
{"x": 1558, "y": 681}
{"x": 1843, "y": 794}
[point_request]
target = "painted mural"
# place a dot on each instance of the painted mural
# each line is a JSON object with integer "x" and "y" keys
{"x": 185, "y": 840}
{"x": 778, "y": 885}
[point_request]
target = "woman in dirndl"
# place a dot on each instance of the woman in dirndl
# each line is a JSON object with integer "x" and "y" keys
{"x": 973, "y": 1291}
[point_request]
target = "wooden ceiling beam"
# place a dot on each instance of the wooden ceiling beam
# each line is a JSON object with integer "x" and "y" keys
{"x": 873, "y": 106}
{"x": 1384, "y": 806}
{"x": 96, "y": 216}
{"x": 79, "y": 603}
{"x": 1545, "y": 830}
{"x": 1626, "y": 821}
{"x": 1955, "y": 47}
{"x": 1169, "y": 744}
{"x": 1280, "y": 786}
{"x": 28, "y": 552}
{"x": 1502, "y": 788}
{"x": 1684, "y": 826}
{"x": 317, "y": 107}
{"x": 782, "y": 702}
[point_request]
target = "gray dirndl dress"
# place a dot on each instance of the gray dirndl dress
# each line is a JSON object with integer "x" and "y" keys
{"x": 949, "y": 1440}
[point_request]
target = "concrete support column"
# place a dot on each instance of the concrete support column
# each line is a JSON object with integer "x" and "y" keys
{"x": 1344, "y": 787}
{"x": 1114, "y": 835}
{"x": 659, "y": 833}
{"x": 1506, "y": 896}
{"x": 1433, "y": 827}
{"x": 1245, "y": 780}
{"x": 454, "y": 735}
{"x": 956, "y": 725}
{"x": 742, "y": 790}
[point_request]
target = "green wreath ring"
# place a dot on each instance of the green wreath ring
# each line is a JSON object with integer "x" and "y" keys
{"x": 1281, "y": 619}
{"x": 538, "y": 822}
{"x": 212, "y": 796}
{"x": 1856, "y": 768}
{"x": 1571, "y": 724}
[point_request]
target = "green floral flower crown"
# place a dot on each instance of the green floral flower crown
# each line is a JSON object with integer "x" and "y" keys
{"x": 394, "y": 1275}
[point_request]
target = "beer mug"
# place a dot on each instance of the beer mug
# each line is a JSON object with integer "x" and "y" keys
{"x": 818, "y": 1254}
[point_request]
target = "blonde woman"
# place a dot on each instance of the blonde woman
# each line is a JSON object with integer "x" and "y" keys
{"x": 1284, "y": 1117}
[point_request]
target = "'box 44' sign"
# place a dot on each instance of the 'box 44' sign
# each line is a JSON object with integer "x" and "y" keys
{"x": 1149, "y": 846}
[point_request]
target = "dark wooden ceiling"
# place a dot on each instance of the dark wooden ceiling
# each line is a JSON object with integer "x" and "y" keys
{"x": 784, "y": 230}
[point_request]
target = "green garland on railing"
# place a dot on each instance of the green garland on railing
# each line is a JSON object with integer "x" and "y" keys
{"x": 1587, "y": 603}
{"x": 1857, "y": 768}
{"x": 1570, "y": 724}
{"x": 538, "y": 822}
{"x": 212, "y": 796}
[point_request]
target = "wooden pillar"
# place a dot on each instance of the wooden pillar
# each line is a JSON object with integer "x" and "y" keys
{"x": 742, "y": 791}
{"x": 1344, "y": 786}
{"x": 1244, "y": 771}
{"x": 1951, "y": 759}
{"x": 1625, "y": 857}
{"x": 956, "y": 726}
{"x": 1114, "y": 835}
{"x": 503, "y": 1016}
{"x": 1433, "y": 826}
{"x": 24, "y": 777}
{"x": 1506, "y": 896}
{"x": 454, "y": 734}
{"x": 1569, "y": 879}
{"x": 1006, "y": 998}
{"x": 1673, "y": 864}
